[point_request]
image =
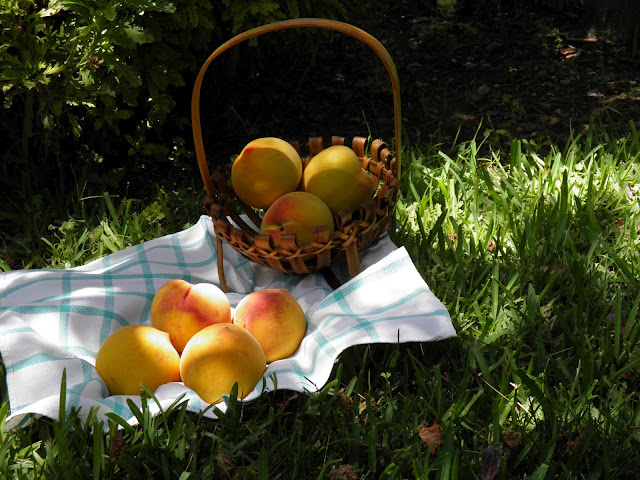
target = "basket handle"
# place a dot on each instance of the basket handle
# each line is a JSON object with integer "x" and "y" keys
{"x": 345, "y": 28}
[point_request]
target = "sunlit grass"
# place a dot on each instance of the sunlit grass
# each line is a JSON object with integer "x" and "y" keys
{"x": 535, "y": 253}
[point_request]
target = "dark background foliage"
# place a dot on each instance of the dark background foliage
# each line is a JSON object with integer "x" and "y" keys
{"x": 96, "y": 95}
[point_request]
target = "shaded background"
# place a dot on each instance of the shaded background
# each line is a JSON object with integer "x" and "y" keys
{"x": 98, "y": 98}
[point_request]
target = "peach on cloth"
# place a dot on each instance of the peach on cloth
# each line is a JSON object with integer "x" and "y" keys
{"x": 182, "y": 309}
{"x": 137, "y": 354}
{"x": 275, "y": 319}
{"x": 219, "y": 356}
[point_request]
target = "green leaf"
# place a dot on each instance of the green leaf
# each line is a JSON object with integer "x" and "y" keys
{"x": 4, "y": 266}
{"x": 53, "y": 69}
{"x": 138, "y": 35}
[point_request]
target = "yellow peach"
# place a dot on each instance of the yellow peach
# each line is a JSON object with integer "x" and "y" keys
{"x": 219, "y": 356}
{"x": 296, "y": 212}
{"x": 182, "y": 309}
{"x": 275, "y": 319}
{"x": 134, "y": 355}
{"x": 266, "y": 169}
{"x": 335, "y": 175}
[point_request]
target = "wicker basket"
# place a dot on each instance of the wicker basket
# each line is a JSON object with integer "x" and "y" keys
{"x": 354, "y": 231}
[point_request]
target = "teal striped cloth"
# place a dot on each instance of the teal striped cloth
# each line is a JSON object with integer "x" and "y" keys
{"x": 55, "y": 320}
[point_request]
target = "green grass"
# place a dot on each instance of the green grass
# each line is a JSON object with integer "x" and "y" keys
{"x": 536, "y": 254}
{"x": 99, "y": 225}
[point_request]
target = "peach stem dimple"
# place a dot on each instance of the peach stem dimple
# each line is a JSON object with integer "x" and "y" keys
{"x": 186, "y": 294}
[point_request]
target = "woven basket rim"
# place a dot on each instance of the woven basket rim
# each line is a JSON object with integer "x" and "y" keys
{"x": 354, "y": 231}
{"x": 363, "y": 236}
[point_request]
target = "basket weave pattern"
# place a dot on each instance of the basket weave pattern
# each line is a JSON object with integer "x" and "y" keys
{"x": 354, "y": 231}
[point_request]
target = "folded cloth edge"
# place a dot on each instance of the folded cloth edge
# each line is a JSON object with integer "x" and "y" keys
{"x": 18, "y": 417}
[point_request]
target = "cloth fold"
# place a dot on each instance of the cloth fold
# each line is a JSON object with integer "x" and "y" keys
{"x": 55, "y": 320}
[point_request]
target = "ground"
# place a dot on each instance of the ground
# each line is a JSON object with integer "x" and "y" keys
{"x": 532, "y": 75}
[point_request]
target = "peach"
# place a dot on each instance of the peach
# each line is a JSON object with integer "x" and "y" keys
{"x": 182, "y": 309}
{"x": 296, "y": 212}
{"x": 219, "y": 356}
{"x": 335, "y": 175}
{"x": 266, "y": 169}
{"x": 134, "y": 355}
{"x": 275, "y": 319}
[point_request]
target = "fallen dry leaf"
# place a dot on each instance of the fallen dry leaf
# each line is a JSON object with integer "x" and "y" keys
{"x": 431, "y": 435}
{"x": 375, "y": 404}
{"x": 345, "y": 401}
{"x": 118, "y": 446}
{"x": 511, "y": 439}
{"x": 227, "y": 463}
{"x": 491, "y": 461}
{"x": 282, "y": 406}
{"x": 463, "y": 116}
{"x": 343, "y": 471}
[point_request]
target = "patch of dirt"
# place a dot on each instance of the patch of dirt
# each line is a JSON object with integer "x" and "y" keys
{"x": 526, "y": 76}
{"x": 535, "y": 76}
{"x": 543, "y": 75}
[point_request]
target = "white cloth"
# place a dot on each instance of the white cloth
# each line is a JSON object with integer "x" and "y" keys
{"x": 56, "y": 320}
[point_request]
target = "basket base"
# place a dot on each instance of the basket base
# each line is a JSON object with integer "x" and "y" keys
{"x": 330, "y": 277}
{"x": 354, "y": 230}
{"x": 352, "y": 256}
